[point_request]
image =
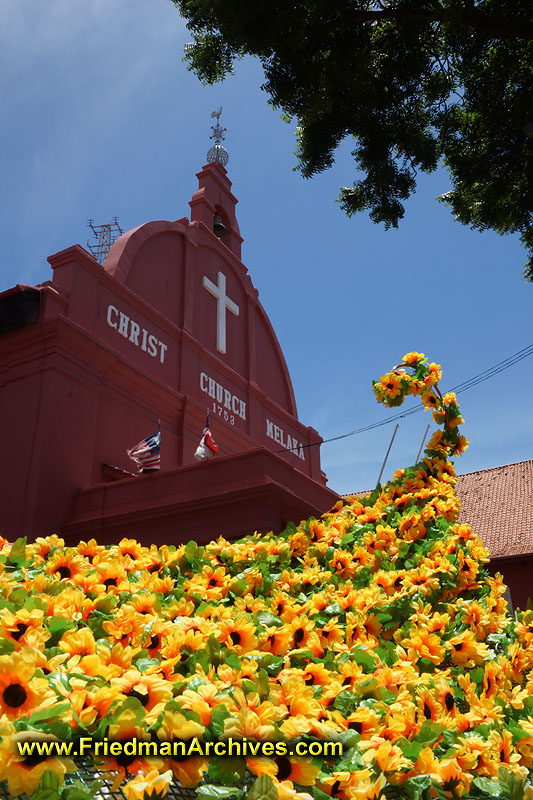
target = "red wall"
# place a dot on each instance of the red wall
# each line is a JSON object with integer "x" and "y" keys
{"x": 120, "y": 346}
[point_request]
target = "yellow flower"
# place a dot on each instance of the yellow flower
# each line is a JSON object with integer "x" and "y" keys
{"x": 23, "y": 772}
{"x": 152, "y": 781}
{"x": 412, "y": 358}
{"x": 20, "y": 692}
{"x": 238, "y": 633}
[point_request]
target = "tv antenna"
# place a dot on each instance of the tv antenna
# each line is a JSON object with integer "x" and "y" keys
{"x": 105, "y": 235}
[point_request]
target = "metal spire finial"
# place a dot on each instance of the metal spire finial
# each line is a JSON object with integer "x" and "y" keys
{"x": 218, "y": 153}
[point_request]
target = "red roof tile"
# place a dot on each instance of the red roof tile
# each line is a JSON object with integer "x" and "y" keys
{"x": 498, "y": 504}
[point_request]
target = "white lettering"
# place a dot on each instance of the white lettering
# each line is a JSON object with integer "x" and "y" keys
{"x": 111, "y": 310}
{"x": 134, "y": 332}
{"x": 152, "y": 342}
{"x": 131, "y": 331}
{"x": 225, "y": 399}
{"x": 278, "y": 435}
{"x": 123, "y": 325}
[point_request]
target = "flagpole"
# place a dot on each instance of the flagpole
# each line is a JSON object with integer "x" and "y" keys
{"x": 422, "y": 444}
{"x": 388, "y": 451}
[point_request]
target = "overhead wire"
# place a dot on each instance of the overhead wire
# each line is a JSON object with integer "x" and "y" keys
{"x": 475, "y": 380}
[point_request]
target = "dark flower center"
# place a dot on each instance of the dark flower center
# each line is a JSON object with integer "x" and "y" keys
{"x": 141, "y": 696}
{"x": 427, "y": 711}
{"x": 21, "y": 630}
{"x": 124, "y": 761}
{"x": 449, "y": 701}
{"x": 110, "y": 582}
{"x": 298, "y": 635}
{"x": 458, "y": 646}
{"x": 284, "y": 768}
{"x": 356, "y": 726}
{"x": 14, "y": 695}
{"x": 182, "y": 756}
{"x": 235, "y": 637}
{"x": 33, "y": 760}
{"x": 64, "y": 572}
{"x": 154, "y": 641}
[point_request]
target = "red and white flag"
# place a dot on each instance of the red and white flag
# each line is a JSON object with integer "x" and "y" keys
{"x": 207, "y": 447}
{"x": 147, "y": 454}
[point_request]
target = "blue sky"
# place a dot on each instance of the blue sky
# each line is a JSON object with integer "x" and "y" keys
{"x": 101, "y": 118}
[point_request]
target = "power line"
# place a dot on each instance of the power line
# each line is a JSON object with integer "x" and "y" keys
{"x": 475, "y": 380}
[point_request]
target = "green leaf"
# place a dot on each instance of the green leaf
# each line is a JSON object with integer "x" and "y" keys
{"x": 77, "y": 791}
{"x": 57, "y": 627}
{"x": 6, "y": 647}
{"x": 218, "y": 792}
{"x": 486, "y": 786}
{"x": 262, "y": 684}
{"x": 48, "y": 787}
{"x": 143, "y": 664}
{"x": 220, "y": 713}
{"x": 262, "y": 789}
{"x": 267, "y": 619}
{"x": 411, "y": 750}
{"x": 363, "y": 659}
{"x": 227, "y": 769}
{"x": 319, "y": 795}
{"x": 512, "y": 786}
{"x": 334, "y": 610}
{"x": 429, "y": 733}
{"x": 49, "y": 713}
{"x": 417, "y": 785}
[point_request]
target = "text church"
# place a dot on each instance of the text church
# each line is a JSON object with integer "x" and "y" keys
{"x": 169, "y": 326}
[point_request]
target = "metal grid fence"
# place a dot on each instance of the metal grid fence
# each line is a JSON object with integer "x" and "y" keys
{"x": 87, "y": 774}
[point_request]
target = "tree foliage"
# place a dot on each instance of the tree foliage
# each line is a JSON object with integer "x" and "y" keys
{"x": 416, "y": 83}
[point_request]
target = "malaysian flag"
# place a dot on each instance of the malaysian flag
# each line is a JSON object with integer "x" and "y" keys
{"x": 207, "y": 447}
{"x": 147, "y": 454}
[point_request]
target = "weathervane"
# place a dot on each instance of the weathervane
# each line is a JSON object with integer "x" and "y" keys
{"x": 218, "y": 153}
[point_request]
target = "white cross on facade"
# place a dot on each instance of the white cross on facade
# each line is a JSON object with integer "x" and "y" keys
{"x": 218, "y": 290}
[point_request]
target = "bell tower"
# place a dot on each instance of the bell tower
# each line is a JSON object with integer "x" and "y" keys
{"x": 213, "y": 203}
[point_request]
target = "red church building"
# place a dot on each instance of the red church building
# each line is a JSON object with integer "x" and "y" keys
{"x": 170, "y": 325}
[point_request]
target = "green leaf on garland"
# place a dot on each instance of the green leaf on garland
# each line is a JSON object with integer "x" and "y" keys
{"x": 227, "y": 769}
{"x": 486, "y": 786}
{"x": 262, "y": 789}
{"x": 417, "y": 785}
{"x": 48, "y": 786}
{"x": 512, "y": 786}
{"x": 267, "y": 619}
{"x": 218, "y": 792}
